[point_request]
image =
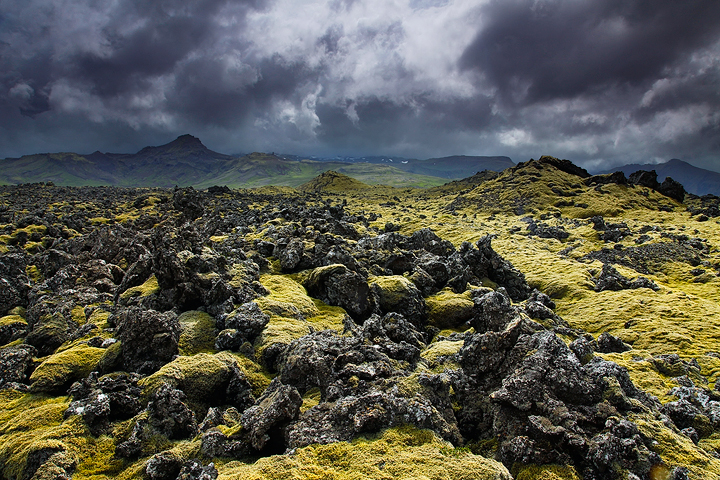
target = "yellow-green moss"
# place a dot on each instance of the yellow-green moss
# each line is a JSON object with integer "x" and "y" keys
{"x": 201, "y": 376}
{"x": 437, "y": 350}
{"x": 198, "y": 333}
{"x": 448, "y": 309}
{"x": 676, "y": 449}
{"x": 11, "y": 320}
{"x": 33, "y": 273}
{"x": 65, "y": 367}
{"x": 393, "y": 290}
{"x": 78, "y": 315}
{"x": 546, "y": 472}
{"x": 399, "y": 453}
{"x": 286, "y": 298}
{"x": 148, "y": 288}
{"x": 311, "y": 398}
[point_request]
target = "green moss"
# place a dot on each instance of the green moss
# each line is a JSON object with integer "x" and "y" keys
{"x": 287, "y": 298}
{"x": 393, "y": 290}
{"x": 447, "y": 309}
{"x": 33, "y": 273}
{"x": 439, "y": 354}
{"x": 11, "y": 320}
{"x": 148, "y": 288}
{"x": 200, "y": 376}
{"x": 61, "y": 369}
{"x": 78, "y": 315}
{"x": 546, "y": 472}
{"x": 198, "y": 333}
{"x": 676, "y": 449}
{"x": 311, "y": 399}
{"x": 398, "y": 453}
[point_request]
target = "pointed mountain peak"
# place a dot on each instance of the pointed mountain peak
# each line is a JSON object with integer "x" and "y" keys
{"x": 187, "y": 140}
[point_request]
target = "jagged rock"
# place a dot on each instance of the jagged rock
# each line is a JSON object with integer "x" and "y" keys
{"x": 369, "y": 413}
{"x": 607, "y": 343}
{"x": 493, "y": 311}
{"x": 189, "y": 202}
{"x": 149, "y": 339}
{"x": 584, "y": 348}
{"x": 614, "y": 177}
{"x": 49, "y": 463}
{"x": 290, "y": 254}
{"x": 543, "y": 230}
{"x": 194, "y": 470}
{"x": 169, "y": 415}
{"x": 16, "y": 365}
{"x": 14, "y": 282}
{"x": 644, "y": 178}
{"x": 400, "y": 295}
{"x": 673, "y": 189}
{"x": 611, "y": 279}
{"x": 265, "y": 421}
{"x": 164, "y": 466}
{"x": 247, "y": 320}
{"x": 100, "y": 401}
{"x": 339, "y": 286}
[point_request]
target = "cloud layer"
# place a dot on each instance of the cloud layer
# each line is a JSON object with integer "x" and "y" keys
{"x": 601, "y": 82}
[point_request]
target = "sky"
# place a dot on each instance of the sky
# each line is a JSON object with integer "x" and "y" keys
{"x": 599, "y": 82}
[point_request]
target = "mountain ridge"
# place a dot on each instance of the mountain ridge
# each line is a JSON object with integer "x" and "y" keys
{"x": 186, "y": 161}
{"x": 696, "y": 180}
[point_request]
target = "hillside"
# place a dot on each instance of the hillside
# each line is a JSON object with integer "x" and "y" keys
{"x": 187, "y": 162}
{"x": 695, "y": 180}
{"x": 540, "y": 323}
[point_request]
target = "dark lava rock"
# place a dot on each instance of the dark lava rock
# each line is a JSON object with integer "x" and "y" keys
{"x": 273, "y": 411}
{"x": 189, "y": 202}
{"x": 339, "y": 286}
{"x": 607, "y": 343}
{"x": 493, "y": 312}
{"x": 100, "y": 401}
{"x": 194, "y": 470}
{"x": 673, "y": 189}
{"x": 247, "y": 320}
{"x": 14, "y": 283}
{"x": 149, "y": 339}
{"x": 614, "y": 177}
{"x": 169, "y": 414}
{"x": 645, "y": 178}
{"x": 543, "y": 230}
{"x": 611, "y": 279}
{"x": 16, "y": 365}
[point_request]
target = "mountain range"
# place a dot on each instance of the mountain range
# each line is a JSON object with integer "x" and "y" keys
{"x": 186, "y": 161}
{"x": 698, "y": 181}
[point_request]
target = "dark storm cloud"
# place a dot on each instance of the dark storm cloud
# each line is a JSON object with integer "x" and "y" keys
{"x": 556, "y": 49}
{"x": 596, "y": 81}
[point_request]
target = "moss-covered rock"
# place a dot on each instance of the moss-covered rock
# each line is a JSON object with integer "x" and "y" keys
{"x": 398, "y": 294}
{"x": 58, "y": 371}
{"x": 207, "y": 380}
{"x": 399, "y": 453}
{"x": 447, "y": 309}
{"x": 197, "y": 333}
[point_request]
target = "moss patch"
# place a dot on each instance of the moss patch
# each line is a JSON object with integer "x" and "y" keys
{"x": 148, "y": 288}
{"x": 448, "y": 309}
{"x": 198, "y": 333}
{"x": 61, "y": 369}
{"x": 399, "y": 453}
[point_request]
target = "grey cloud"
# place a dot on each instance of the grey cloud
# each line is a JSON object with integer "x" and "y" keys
{"x": 559, "y": 49}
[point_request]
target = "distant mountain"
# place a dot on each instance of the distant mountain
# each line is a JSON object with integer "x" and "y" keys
{"x": 695, "y": 180}
{"x": 186, "y": 161}
{"x": 453, "y": 167}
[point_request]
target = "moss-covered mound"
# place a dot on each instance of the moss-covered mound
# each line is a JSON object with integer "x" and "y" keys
{"x": 332, "y": 182}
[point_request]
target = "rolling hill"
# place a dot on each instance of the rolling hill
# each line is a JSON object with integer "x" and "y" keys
{"x": 187, "y": 162}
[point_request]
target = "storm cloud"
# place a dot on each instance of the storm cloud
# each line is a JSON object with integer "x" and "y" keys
{"x": 601, "y": 82}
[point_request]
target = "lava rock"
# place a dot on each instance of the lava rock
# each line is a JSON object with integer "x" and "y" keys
{"x": 274, "y": 410}
{"x": 149, "y": 339}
